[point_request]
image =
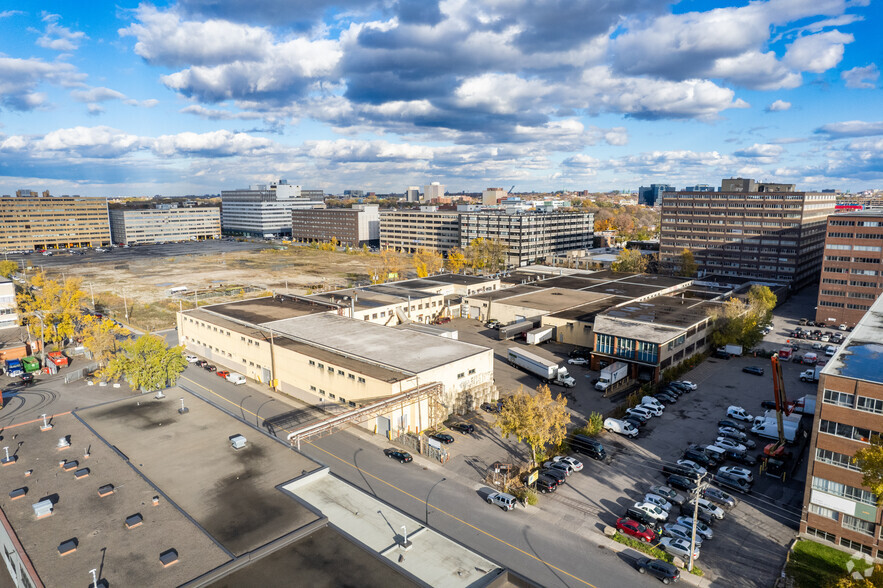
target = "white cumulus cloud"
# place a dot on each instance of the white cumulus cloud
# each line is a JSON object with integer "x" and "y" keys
{"x": 861, "y": 77}
{"x": 817, "y": 53}
{"x": 778, "y": 106}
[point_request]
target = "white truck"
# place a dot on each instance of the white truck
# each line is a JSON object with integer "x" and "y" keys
{"x": 770, "y": 430}
{"x": 537, "y": 336}
{"x": 805, "y": 405}
{"x": 612, "y": 374}
{"x": 731, "y": 349}
{"x": 546, "y": 370}
{"x": 811, "y": 375}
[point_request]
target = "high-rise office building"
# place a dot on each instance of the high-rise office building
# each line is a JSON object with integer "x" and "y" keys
{"x": 412, "y": 194}
{"x": 31, "y": 222}
{"x": 852, "y": 270}
{"x": 262, "y": 210}
{"x": 161, "y": 225}
{"x": 838, "y": 508}
{"x": 771, "y": 233}
{"x": 427, "y": 228}
{"x": 650, "y": 196}
{"x": 433, "y": 191}
{"x": 491, "y": 196}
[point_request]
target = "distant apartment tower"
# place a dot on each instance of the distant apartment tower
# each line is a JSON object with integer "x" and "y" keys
{"x": 491, "y": 196}
{"x": 356, "y": 226}
{"x": 530, "y": 237}
{"x": 838, "y": 508}
{"x": 412, "y": 194}
{"x": 314, "y": 195}
{"x": 262, "y": 210}
{"x": 770, "y": 233}
{"x": 852, "y": 270}
{"x": 650, "y": 196}
{"x": 427, "y": 228}
{"x": 32, "y": 222}
{"x": 433, "y": 191}
{"x": 162, "y": 225}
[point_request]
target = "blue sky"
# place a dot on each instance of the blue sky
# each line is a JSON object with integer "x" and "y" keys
{"x": 197, "y": 96}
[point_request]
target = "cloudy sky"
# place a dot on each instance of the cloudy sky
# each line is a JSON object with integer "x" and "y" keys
{"x": 196, "y": 96}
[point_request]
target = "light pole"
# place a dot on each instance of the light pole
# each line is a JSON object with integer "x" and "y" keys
{"x": 426, "y": 518}
{"x": 695, "y": 518}
{"x": 241, "y": 402}
{"x": 125, "y": 305}
{"x": 257, "y": 419}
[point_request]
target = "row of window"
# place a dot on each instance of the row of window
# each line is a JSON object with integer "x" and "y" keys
{"x": 331, "y": 370}
{"x": 863, "y": 403}
{"x": 844, "y": 491}
{"x": 846, "y": 521}
{"x": 332, "y": 396}
{"x": 832, "y": 538}
{"x": 846, "y": 431}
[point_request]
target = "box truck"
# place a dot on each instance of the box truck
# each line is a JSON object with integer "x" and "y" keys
{"x": 546, "y": 370}
{"x": 811, "y": 375}
{"x": 13, "y": 368}
{"x": 730, "y": 349}
{"x": 612, "y": 374}
{"x": 537, "y": 336}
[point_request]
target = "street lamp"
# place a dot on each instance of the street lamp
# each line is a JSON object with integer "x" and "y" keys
{"x": 426, "y": 518}
{"x": 257, "y": 419}
{"x": 241, "y": 402}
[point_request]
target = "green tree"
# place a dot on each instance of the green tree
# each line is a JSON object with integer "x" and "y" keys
{"x": 537, "y": 420}
{"x": 762, "y": 301}
{"x": 630, "y": 260}
{"x": 57, "y": 304}
{"x": 870, "y": 460}
{"x": 147, "y": 363}
{"x": 100, "y": 337}
{"x": 7, "y": 268}
{"x": 688, "y": 264}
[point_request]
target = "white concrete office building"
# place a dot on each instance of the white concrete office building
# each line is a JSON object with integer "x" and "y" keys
{"x": 262, "y": 210}
{"x": 155, "y": 225}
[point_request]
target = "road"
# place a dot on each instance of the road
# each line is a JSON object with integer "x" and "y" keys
{"x": 553, "y": 551}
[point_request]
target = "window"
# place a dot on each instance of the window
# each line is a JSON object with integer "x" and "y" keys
{"x": 352, "y": 377}
{"x": 838, "y": 489}
{"x": 312, "y": 362}
{"x": 836, "y": 459}
{"x": 647, "y": 352}
{"x": 870, "y": 404}
{"x": 605, "y": 344}
{"x": 856, "y": 524}
{"x": 312, "y": 388}
{"x": 331, "y": 396}
{"x": 472, "y": 371}
{"x": 846, "y": 431}
{"x": 855, "y": 545}
{"x": 342, "y": 400}
{"x": 461, "y": 375}
{"x": 340, "y": 373}
{"x": 821, "y": 534}
{"x": 321, "y": 366}
{"x": 625, "y": 347}
{"x": 824, "y": 512}
{"x": 839, "y": 398}
{"x": 361, "y": 380}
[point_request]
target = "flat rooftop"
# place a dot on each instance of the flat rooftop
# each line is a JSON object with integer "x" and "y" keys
{"x": 554, "y": 299}
{"x": 568, "y": 282}
{"x": 434, "y": 559}
{"x": 657, "y": 280}
{"x": 130, "y": 557}
{"x": 408, "y": 351}
{"x": 860, "y": 356}
{"x": 269, "y": 308}
{"x": 504, "y": 293}
{"x": 587, "y": 312}
{"x": 656, "y": 320}
{"x": 230, "y": 493}
{"x": 623, "y": 288}
{"x": 462, "y": 280}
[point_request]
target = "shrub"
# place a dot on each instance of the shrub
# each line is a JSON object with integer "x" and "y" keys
{"x": 595, "y": 424}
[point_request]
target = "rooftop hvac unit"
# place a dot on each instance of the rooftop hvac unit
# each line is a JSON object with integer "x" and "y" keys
{"x": 238, "y": 441}
{"x": 43, "y": 508}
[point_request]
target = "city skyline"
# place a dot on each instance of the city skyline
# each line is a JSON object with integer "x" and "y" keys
{"x": 196, "y": 97}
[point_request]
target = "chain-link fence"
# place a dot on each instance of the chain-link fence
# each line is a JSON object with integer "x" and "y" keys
{"x": 420, "y": 444}
{"x": 80, "y": 373}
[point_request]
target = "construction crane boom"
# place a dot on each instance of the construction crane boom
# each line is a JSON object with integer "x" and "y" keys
{"x": 510, "y": 190}
{"x": 782, "y": 406}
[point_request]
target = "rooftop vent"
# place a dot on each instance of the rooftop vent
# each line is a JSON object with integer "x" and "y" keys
{"x": 64, "y": 442}
{"x": 168, "y": 557}
{"x": 68, "y": 546}
{"x": 136, "y": 520}
{"x": 18, "y": 493}
{"x": 237, "y": 441}
{"x": 81, "y": 473}
{"x": 105, "y": 490}
{"x": 43, "y": 508}
{"x": 69, "y": 465}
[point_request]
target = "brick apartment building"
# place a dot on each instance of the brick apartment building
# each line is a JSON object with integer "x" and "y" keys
{"x": 852, "y": 270}
{"x": 849, "y": 411}
{"x": 747, "y": 229}
{"x": 356, "y": 226}
{"x": 29, "y": 222}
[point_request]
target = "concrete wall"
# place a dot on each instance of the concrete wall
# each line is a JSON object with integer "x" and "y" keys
{"x": 570, "y": 331}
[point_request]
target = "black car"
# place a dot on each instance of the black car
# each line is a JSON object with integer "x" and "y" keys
{"x": 700, "y": 457}
{"x": 635, "y": 422}
{"x": 490, "y": 407}
{"x": 665, "y": 397}
{"x": 753, "y": 369}
{"x": 588, "y": 446}
{"x": 27, "y": 378}
{"x": 678, "y": 386}
{"x": 209, "y": 368}
{"x": 681, "y": 483}
{"x": 687, "y": 509}
{"x": 768, "y": 404}
{"x": 401, "y": 456}
{"x": 202, "y": 363}
{"x": 721, "y": 355}
{"x": 679, "y": 470}
{"x": 559, "y": 476}
{"x": 661, "y": 569}
{"x": 546, "y": 484}
{"x": 579, "y": 352}
{"x": 443, "y": 438}
{"x": 740, "y": 458}
{"x": 642, "y": 517}
{"x": 731, "y": 423}
{"x": 672, "y": 391}
{"x": 464, "y": 428}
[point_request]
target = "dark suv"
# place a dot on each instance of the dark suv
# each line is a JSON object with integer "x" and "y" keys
{"x": 642, "y": 517}
{"x": 588, "y": 446}
{"x": 661, "y": 569}
{"x": 700, "y": 457}
{"x": 546, "y": 484}
{"x": 465, "y": 428}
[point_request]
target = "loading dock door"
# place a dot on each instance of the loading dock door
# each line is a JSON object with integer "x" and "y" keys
{"x": 383, "y": 426}
{"x": 265, "y": 375}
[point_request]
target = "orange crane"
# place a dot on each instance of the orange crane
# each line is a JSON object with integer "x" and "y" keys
{"x": 777, "y": 449}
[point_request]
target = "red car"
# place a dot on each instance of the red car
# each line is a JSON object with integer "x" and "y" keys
{"x": 222, "y": 373}
{"x": 635, "y": 529}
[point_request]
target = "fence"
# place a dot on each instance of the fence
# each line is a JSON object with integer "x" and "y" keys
{"x": 421, "y": 445}
{"x": 80, "y": 373}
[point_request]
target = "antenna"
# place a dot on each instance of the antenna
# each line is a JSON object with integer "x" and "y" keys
{"x": 183, "y": 409}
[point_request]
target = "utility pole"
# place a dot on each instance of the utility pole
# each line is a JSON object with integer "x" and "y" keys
{"x": 92, "y": 295}
{"x": 125, "y": 304}
{"x": 695, "y": 519}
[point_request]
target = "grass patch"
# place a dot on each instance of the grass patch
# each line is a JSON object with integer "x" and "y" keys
{"x": 649, "y": 549}
{"x": 813, "y": 564}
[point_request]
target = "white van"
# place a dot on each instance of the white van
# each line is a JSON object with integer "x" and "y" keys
{"x": 650, "y": 401}
{"x": 621, "y": 427}
{"x": 739, "y": 413}
{"x": 235, "y": 378}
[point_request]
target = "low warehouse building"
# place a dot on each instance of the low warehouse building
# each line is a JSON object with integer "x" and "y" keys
{"x": 313, "y": 351}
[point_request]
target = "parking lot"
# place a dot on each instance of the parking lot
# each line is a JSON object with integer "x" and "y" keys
{"x": 749, "y": 545}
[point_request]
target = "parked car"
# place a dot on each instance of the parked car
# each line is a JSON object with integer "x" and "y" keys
{"x": 658, "y": 501}
{"x": 681, "y": 386}
{"x": 680, "y": 470}
{"x": 27, "y": 378}
{"x": 736, "y": 472}
{"x": 737, "y": 436}
{"x": 718, "y": 354}
{"x": 731, "y": 423}
{"x": 672, "y": 390}
{"x": 546, "y": 484}
{"x": 686, "y": 463}
{"x": 740, "y": 414}
{"x": 201, "y": 363}
{"x": 665, "y": 397}
{"x": 702, "y": 515}
{"x": 635, "y": 421}
{"x": 236, "y": 379}
{"x": 635, "y": 416}
{"x": 642, "y": 517}
{"x": 726, "y": 443}
{"x": 706, "y": 506}
{"x": 635, "y": 529}
{"x": 740, "y": 458}
{"x": 575, "y": 464}
{"x": 689, "y": 385}
{"x": 678, "y": 547}
{"x": 209, "y": 368}
{"x": 443, "y": 438}
{"x": 588, "y": 446}
{"x": 732, "y": 483}
{"x": 668, "y": 493}
{"x": 465, "y": 428}
{"x": 768, "y": 405}
{"x": 191, "y": 358}
{"x": 621, "y": 427}
{"x": 681, "y": 482}
{"x": 663, "y": 570}
{"x": 492, "y": 324}
{"x": 558, "y": 475}
{"x": 702, "y": 529}
{"x": 559, "y": 465}
{"x": 719, "y": 496}
{"x": 490, "y": 407}
{"x": 698, "y": 456}
{"x": 578, "y": 361}
{"x": 650, "y": 402}
{"x": 400, "y": 456}
{"x": 222, "y": 373}
{"x": 656, "y": 409}
{"x": 681, "y": 532}
{"x": 652, "y": 510}
{"x": 641, "y": 412}
{"x": 753, "y": 369}
{"x": 501, "y": 499}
